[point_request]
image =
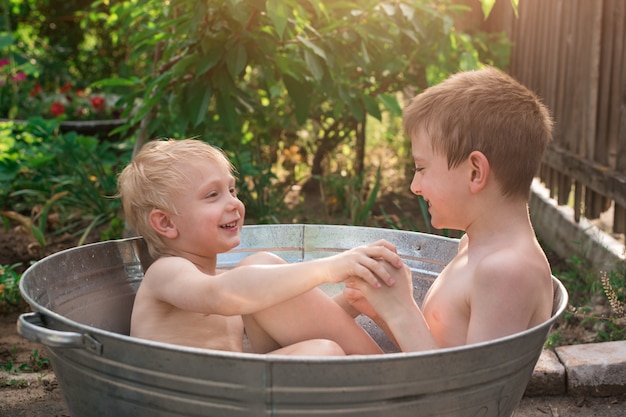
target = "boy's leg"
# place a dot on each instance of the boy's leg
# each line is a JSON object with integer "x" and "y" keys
{"x": 312, "y": 315}
{"x": 316, "y": 347}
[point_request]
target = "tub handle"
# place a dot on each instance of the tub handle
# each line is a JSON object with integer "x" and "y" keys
{"x": 32, "y": 327}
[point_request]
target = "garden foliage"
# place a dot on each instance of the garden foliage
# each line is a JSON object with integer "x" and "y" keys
{"x": 272, "y": 82}
{"x": 256, "y": 77}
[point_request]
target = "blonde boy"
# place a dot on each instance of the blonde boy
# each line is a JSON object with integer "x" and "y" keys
{"x": 181, "y": 197}
{"x": 477, "y": 141}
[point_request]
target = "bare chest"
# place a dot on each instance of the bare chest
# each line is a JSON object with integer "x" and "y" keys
{"x": 187, "y": 328}
{"x": 446, "y": 307}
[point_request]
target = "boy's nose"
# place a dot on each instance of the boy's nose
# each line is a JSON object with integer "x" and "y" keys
{"x": 234, "y": 202}
{"x": 415, "y": 186}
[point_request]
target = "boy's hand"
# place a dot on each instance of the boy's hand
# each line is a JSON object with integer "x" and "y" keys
{"x": 369, "y": 263}
{"x": 385, "y": 300}
{"x": 358, "y": 301}
{"x": 385, "y": 244}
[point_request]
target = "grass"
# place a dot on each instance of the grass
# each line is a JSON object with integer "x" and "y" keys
{"x": 10, "y": 298}
{"x": 12, "y": 366}
{"x": 597, "y": 300}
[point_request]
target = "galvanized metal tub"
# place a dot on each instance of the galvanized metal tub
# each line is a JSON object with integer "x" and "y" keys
{"x": 83, "y": 298}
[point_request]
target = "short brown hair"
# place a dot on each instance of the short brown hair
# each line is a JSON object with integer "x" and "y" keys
{"x": 487, "y": 111}
{"x": 154, "y": 176}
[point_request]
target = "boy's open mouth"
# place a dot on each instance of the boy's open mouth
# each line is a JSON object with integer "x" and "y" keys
{"x": 229, "y": 225}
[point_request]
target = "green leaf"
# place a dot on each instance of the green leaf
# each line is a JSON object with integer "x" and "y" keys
{"x": 315, "y": 65}
{"x": 208, "y": 60}
{"x": 278, "y": 14}
{"x": 487, "y": 5}
{"x": 371, "y": 105}
{"x": 226, "y": 110}
{"x": 515, "y": 4}
{"x": 6, "y": 40}
{"x": 300, "y": 94}
{"x": 364, "y": 53}
{"x": 199, "y": 95}
{"x": 313, "y": 47}
{"x": 145, "y": 108}
{"x": 391, "y": 104}
{"x": 349, "y": 99}
{"x": 38, "y": 234}
{"x": 182, "y": 66}
{"x": 468, "y": 61}
{"x": 236, "y": 60}
{"x": 117, "y": 82}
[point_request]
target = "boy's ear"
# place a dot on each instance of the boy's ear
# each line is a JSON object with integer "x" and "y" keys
{"x": 479, "y": 166}
{"x": 162, "y": 224}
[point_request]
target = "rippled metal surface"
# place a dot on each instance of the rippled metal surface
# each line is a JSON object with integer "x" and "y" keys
{"x": 83, "y": 299}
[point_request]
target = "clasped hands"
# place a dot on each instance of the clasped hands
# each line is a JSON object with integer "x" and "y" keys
{"x": 384, "y": 299}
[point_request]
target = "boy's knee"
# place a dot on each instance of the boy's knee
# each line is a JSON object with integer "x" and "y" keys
{"x": 262, "y": 258}
{"x": 325, "y": 347}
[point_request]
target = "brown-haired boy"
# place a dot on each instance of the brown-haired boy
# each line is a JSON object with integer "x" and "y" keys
{"x": 477, "y": 141}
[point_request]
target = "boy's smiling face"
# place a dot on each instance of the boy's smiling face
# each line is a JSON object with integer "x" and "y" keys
{"x": 209, "y": 214}
{"x": 442, "y": 188}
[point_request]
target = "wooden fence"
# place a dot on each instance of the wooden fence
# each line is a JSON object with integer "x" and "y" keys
{"x": 573, "y": 54}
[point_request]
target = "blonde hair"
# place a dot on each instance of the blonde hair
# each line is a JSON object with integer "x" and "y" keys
{"x": 487, "y": 111}
{"x": 154, "y": 176}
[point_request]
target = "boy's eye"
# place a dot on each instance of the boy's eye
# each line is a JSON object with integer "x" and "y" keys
{"x": 233, "y": 191}
{"x": 419, "y": 169}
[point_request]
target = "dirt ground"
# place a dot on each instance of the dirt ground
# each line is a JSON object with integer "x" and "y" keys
{"x": 22, "y": 392}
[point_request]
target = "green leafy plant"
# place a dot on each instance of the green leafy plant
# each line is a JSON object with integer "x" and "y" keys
{"x": 614, "y": 286}
{"x": 35, "y": 225}
{"x": 554, "y": 340}
{"x": 588, "y": 290}
{"x": 53, "y": 183}
{"x": 350, "y": 196}
{"x": 362, "y": 198}
{"x": 272, "y": 74}
{"x": 9, "y": 286}
{"x": 37, "y": 362}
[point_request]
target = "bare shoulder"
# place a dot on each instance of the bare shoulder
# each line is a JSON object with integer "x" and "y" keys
{"x": 167, "y": 265}
{"x": 511, "y": 290}
{"x": 520, "y": 276}
{"x": 518, "y": 265}
{"x": 165, "y": 272}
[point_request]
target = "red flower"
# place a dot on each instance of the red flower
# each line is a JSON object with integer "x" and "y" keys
{"x": 57, "y": 109}
{"x": 20, "y": 76}
{"x": 4, "y": 62}
{"x": 97, "y": 103}
{"x": 36, "y": 90}
{"x": 66, "y": 87}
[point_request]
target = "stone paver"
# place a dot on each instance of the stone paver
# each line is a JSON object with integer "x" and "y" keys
{"x": 548, "y": 377}
{"x": 597, "y": 369}
{"x": 594, "y": 369}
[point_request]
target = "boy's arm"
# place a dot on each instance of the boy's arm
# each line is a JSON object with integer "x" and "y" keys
{"x": 250, "y": 288}
{"x": 354, "y": 302}
{"x": 400, "y": 317}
